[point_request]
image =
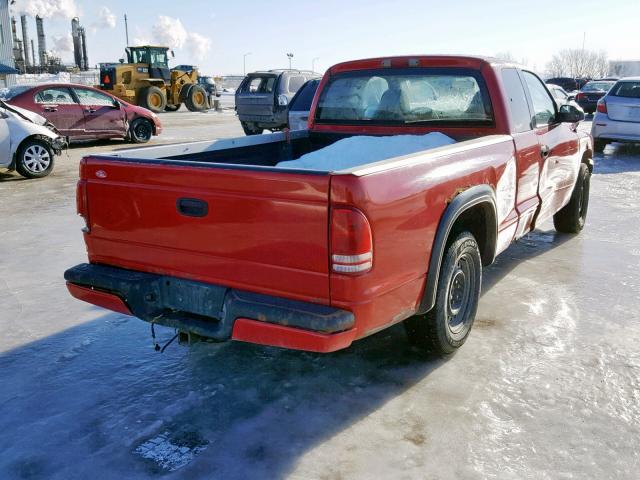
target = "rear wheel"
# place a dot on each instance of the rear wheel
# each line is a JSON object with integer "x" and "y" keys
{"x": 34, "y": 159}
{"x": 154, "y": 99}
{"x": 446, "y": 326}
{"x": 141, "y": 130}
{"x": 251, "y": 128}
{"x": 599, "y": 145}
{"x": 572, "y": 217}
{"x": 196, "y": 100}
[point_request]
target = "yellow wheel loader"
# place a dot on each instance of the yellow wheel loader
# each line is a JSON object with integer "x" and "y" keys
{"x": 147, "y": 80}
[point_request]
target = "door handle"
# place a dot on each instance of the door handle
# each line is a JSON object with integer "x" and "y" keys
{"x": 50, "y": 109}
{"x": 192, "y": 207}
{"x": 544, "y": 151}
{"x": 90, "y": 110}
{"x": 304, "y": 118}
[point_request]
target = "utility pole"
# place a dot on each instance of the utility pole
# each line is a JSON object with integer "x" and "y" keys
{"x": 289, "y": 56}
{"x": 313, "y": 63}
{"x": 126, "y": 28}
{"x": 244, "y": 63}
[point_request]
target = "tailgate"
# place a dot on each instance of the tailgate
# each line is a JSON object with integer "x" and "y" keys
{"x": 260, "y": 104}
{"x": 623, "y": 109}
{"x": 252, "y": 229}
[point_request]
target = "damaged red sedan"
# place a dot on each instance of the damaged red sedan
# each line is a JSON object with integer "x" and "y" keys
{"x": 84, "y": 113}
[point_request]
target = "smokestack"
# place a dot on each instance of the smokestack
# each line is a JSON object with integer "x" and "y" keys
{"x": 18, "y": 55}
{"x": 25, "y": 41}
{"x": 42, "y": 41}
{"x": 85, "y": 58}
{"x": 77, "y": 40}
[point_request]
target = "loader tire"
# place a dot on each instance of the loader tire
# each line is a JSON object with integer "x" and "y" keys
{"x": 196, "y": 99}
{"x": 571, "y": 218}
{"x": 153, "y": 98}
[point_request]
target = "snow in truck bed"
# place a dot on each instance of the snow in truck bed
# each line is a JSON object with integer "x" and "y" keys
{"x": 360, "y": 150}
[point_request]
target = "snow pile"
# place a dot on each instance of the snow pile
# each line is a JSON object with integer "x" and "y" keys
{"x": 360, "y": 150}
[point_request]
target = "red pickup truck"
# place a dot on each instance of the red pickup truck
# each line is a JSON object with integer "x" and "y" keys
{"x": 227, "y": 240}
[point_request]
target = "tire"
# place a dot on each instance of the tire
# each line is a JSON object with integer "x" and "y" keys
{"x": 153, "y": 98}
{"x": 34, "y": 159}
{"x": 141, "y": 130}
{"x": 172, "y": 108}
{"x": 446, "y": 326}
{"x": 599, "y": 145}
{"x": 196, "y": 99}
{"x": 572, "y": 217}
{"x": 251, "y": 129}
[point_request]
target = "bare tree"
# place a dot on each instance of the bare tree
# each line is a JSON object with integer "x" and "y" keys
{"x": 578, "y": 63}
{"x": 505, "y": 56}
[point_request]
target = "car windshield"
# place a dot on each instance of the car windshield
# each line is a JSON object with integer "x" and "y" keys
{"x": 259, "y": 84}
{"x": 405, "y": 96}
{"x": 626, "y": 89}
{"x": 11, "y": 92}
{"x": 597, "y": 86}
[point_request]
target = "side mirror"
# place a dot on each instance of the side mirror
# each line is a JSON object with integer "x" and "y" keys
{"x": 571, "y": 98}
{"x": 570, "y": 114}
{"x": 173, "y": 55}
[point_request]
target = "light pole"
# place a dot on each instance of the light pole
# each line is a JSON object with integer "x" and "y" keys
{"x": 313, "y": 63}
{"x": 290, "y": 56}
{"x": 244, "y": 62}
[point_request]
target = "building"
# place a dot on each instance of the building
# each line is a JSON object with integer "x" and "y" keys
{"x": 7, "y": 66}
{"x": 624, "y": 68}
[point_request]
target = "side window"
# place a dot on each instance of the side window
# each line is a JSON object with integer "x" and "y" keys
{"x": 90, "y": 97}
{"x": 518, "y": 107}
{"x": 295, "y": 82}
{"x": 56, "y": 96}
{"x": 544, "y": 108}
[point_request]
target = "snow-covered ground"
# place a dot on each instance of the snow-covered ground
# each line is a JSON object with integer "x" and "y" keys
{"x": 547, "y": 387}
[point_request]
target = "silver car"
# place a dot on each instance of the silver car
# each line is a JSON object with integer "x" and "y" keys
{"x": 617, "y": 117}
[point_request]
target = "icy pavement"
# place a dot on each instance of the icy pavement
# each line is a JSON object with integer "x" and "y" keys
{"x": 547, "y": 387}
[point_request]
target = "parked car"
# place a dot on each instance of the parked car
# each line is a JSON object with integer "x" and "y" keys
{"x": 84, "y": 113}
{"x": 315, "y": 238}
{"x": 568, "y": 83}
{"x": 209, "y": 84}
{"x": 263, "y": 97}
{"x": 28, "y": 143}
{"x": 617, "y": 115}
{"x": 593, "y": 91}
{"x": 301, "y": 104}
{"x": 560, "y": 94}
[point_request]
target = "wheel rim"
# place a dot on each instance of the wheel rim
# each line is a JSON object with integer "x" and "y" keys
{"x": 142, "y": 130}
{"x": 36, "y": 159}
{"x": 461, "y": 286}
{"x": 155, "y": 100}
{"x": 198, "y": 98}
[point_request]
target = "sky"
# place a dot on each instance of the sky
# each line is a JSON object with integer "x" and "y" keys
{"x": 217, "y": 35}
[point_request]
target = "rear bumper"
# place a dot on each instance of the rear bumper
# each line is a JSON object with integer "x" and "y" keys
{"x": 213, "y": 311}
{"x": 603, "y": 128}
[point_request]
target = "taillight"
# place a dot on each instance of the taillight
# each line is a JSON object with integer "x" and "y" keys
{"x": 351, "y": 242}
{"x": 82, "y": 206}
{"x": 601, "y": 106}
{"x": 580, "y": 96}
